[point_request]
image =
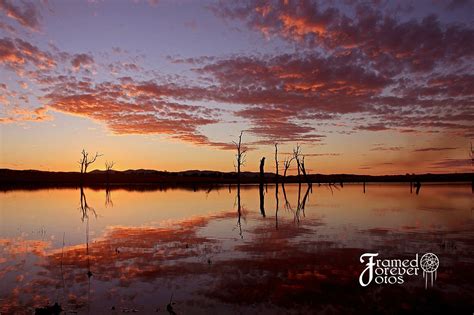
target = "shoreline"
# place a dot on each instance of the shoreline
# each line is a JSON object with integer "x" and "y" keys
{"x": 11, "y": 178}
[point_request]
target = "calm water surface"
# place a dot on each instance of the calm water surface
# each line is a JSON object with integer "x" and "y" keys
{"x": 282, "y": 251}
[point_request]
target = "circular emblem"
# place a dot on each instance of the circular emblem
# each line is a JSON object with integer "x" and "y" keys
{"x": 429, "y": 262}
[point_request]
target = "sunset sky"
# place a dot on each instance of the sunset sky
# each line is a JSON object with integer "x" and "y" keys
{"x": 373, "y": 87}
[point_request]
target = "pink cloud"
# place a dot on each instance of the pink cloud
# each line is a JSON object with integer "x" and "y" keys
{"x": 25, "y": 13}
{"x": 82, "y": 60}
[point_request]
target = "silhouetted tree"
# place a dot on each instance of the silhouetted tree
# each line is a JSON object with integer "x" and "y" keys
{"x": 85, "y": 160}
{"x": 303, "y": 170}
{"x": 262, "y": 165}
{"x": 108, "y": 167}
{"x": 240, "y": 156}
{"x": 296, "y": 156}
{"x": 276, "y": 161}
{"x": 287, "y": 164}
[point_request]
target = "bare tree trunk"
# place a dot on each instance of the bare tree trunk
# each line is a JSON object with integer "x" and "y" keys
{"x": 240, "y": 156}
{"x": 296, "y": 155}
{"x": 85, "y": 161}
{"x": 108, "y": 167}
{"x": 303, "y": 170}
{"x": 276, "y": 162}
{"x": 286, "y": 165}
{"x": 262, "y": 172}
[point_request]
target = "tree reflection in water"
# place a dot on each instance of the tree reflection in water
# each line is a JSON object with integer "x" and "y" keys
{"x": 86, "y": 210}
{"x": 279, "y": 267}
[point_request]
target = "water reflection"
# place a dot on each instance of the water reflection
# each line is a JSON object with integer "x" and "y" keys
{"x": 182, "y": 244}
{"x": 108, "y": 197}
{"x": 239, "y": 211}
{"x": 262, "y": 199}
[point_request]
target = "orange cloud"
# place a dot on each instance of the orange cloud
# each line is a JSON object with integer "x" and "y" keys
{"x": 25, "y": 13}
{"x": 17, "y": 53}
{"x": 19, "y": 114}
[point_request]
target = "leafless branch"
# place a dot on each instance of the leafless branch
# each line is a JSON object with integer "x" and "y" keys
{"x": 85, "y": 160}
{"x": 109, "y": 165}
{"x": 287, "y": 164}
{"x": 296, "y": 155}
{"x": 240, "y": 156}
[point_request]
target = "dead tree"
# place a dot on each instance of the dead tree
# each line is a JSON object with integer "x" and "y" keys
{"x": 276, "y": 161}
{"x": 287, "y": 164}
{"x": 108, "y": 167}
{"x": 85, "y": 160}
{"x": 303, "y": 170}
{"x": 262, "y": 165}
{"x": 240, "y": 156}
{"x": 296, "y": 156}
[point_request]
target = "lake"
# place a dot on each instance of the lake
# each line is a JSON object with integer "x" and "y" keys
{"x": 234, "y": 251}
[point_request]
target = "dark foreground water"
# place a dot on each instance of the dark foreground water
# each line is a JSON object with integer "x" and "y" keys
{"x": 259, "y": 251}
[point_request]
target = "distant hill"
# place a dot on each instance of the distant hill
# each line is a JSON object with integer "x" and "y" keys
{"x": 143, "y": 176}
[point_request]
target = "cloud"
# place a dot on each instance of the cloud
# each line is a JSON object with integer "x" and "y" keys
{"x": 449, "y": 163}
{"x": 354, "y": 68}
{"x": 458, "y": 4}
{"x": 274, "y": 124}
{"x": 373, "y": 127}
{"x": 16, "y": 54}
{"x": 417, "y": 45}
{"x": 434, "y": 149}
{"x": 130, "y": 107}
{"x": 384, "y": 148}
{"x": 301, "y": 88}
{"x": 307, "y": 80}
{"x": 153, "y": 3}
{"x": 404, "y": 74}
{"x": 82, "y": 60}
{"x": 25, "y": 13}
{"x": 19, "y": 114}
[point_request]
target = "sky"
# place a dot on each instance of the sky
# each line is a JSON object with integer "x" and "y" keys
{"x": 364, "y": 87}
